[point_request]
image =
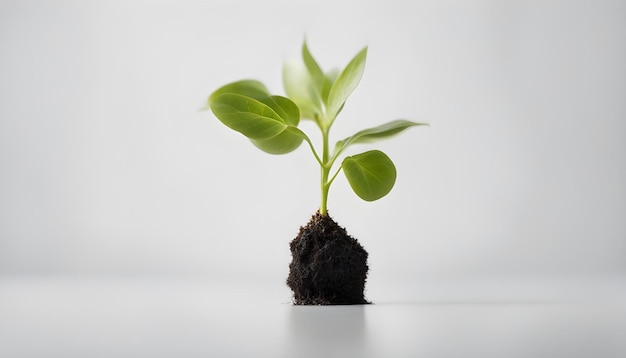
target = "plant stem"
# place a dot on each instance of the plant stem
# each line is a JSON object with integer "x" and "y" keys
{"x": 325, "y": 185}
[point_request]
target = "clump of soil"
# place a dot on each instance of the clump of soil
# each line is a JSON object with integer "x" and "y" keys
{"x": 328, "y": 267}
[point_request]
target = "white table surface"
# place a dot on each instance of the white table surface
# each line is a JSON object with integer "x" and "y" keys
{"x": 143, "y": 317}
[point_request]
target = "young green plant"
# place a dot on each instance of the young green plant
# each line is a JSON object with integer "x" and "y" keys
{"x": 271, "y": 122}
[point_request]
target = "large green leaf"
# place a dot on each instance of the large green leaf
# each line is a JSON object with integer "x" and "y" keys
{"x": 247, "y": 116}
{"x": 376, "y": 133}
{"x": 285, "y": 108}
{"x": 347, "y": 81}
{"x": 289, "y": 139}
{"x": 371, "y": 174}
{"x": 285, "y": 142}
{"x": 249, "y": 88}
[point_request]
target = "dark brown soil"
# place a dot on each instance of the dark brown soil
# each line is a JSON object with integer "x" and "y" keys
{"x": 328, "y": 267}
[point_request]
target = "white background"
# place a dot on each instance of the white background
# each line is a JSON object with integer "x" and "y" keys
{"x": 108, "y": 167}
{"x": 132, "y": 224}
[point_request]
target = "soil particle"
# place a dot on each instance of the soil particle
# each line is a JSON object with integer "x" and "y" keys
{"x": 328, "y": 267}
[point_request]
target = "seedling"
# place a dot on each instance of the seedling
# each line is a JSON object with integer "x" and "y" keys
{"x": 271, "y": 123}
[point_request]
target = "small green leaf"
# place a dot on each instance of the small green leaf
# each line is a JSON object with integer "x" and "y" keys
{"x": 345, "y": 84}
{"x": 376, "y": 133}
{"x": 329, "y": 80}
{"x": 287, "y": 141}
{"x": 315, "y": 72}
{"x": 247, "y": 116}
{"x": 371, "y": 174}
{"x": 300, "y": 89}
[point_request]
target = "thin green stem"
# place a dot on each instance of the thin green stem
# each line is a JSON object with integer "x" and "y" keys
{"x": 325, "y": 167}
{"x": 335, "y": 156}
{"x": 334, "y": 176}
{"x": 306, "y": 138}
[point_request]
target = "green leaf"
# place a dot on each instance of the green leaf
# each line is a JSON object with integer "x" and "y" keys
{"x": 329, "y": 80}
{"x": 249, "y": 88}
{"x": 371, "y": 174}
{"x": 299, "y": 87}
{"x": 287, "y": 141}
{"x": 376, "y": 133}
{"x": 315, "y": 72}
{"x": 285, "y": 108}
{"x": 345, "y": 84}
{"x": 248, "y": 116}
